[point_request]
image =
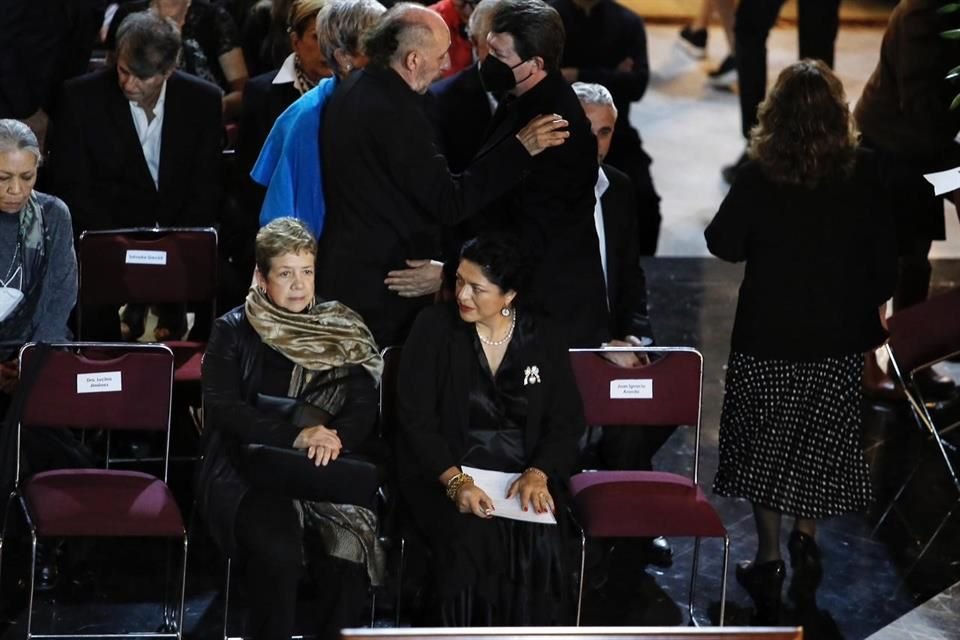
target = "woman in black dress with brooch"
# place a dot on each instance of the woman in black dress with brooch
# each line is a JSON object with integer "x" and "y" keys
{"x": 485, "y": 385}
{"x": 808, "y": 215}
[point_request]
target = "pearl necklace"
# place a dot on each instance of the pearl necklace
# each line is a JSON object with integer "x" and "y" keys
{"x": 505, "y": 339}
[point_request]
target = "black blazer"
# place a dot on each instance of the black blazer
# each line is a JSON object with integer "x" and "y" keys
{"x": 388, "y": 190}
{"x": 551, "y": 212}
{"x": 820, "y": 261}
{"x": 97, "y": 164}
{"x": 433, "y": 389}
{"x": 461, "y": 112}
{"x": 626, "y": 281}
{"x": 231, "y": 380}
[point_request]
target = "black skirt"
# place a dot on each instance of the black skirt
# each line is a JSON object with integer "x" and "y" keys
{"x": 790, "y": 435}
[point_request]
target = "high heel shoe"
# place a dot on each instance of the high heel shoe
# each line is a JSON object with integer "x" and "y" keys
{"x": 764, "y": 583}
{"x": 807, "y": 570}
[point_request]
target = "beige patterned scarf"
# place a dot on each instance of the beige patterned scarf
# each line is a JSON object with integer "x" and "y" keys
{"x": 327, "y": 335}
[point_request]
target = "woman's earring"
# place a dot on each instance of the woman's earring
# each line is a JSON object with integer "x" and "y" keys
{"x": 505, "y": 312}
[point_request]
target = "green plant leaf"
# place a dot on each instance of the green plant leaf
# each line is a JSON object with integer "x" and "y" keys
{"x": 955, "y": 103}
{"x": 949, "y": 8}
{"x": 952, "y": 34}
{"x": 953, "y": 73}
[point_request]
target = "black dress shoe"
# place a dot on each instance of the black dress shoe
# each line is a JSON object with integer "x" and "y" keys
{"x": 807, "y": 570}
{"x": 764, "y": 583}
{"x": 934, "y": 386}
{"x": 658, "y": 552}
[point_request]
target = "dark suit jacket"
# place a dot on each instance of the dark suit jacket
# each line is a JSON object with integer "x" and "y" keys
{"x": 98, "y": 167}
{"x": 461, "y": 113}
{"x": 263, "y": 102}
{"x": 626, "y": 282}
{"x": 433, "y": 396}
{"x": 551, "y": 212}
{"x": 388, "y": 190}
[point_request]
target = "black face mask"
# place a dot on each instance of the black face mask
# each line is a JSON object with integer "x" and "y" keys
{"x": 497, "y": 76}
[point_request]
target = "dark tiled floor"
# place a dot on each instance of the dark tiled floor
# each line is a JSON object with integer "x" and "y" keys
{"x": 866, "y": 584}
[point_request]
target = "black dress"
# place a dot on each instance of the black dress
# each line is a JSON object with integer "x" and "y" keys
{"x": 494, "y": 572}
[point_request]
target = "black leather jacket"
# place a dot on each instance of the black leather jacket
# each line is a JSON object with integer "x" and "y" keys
{"x": 231, "y": 380}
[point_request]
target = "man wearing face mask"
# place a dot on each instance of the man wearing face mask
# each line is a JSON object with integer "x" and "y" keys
{"x": 388, "y": 190}
{"x": 551, "y": 209}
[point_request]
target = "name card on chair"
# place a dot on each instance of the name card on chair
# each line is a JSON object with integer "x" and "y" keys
{"x": 100, "y": 382}
{"x": 631, "y": 389}
{"x": 137, "y": 256}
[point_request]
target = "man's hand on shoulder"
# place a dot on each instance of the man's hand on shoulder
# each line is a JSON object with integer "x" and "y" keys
{"x": 424, "y": 277}
{"x": 543, "y": 132}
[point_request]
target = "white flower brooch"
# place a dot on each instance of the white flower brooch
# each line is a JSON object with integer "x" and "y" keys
{"x": 531, "y": 375}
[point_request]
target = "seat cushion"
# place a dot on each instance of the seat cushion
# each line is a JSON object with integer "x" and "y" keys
{"x": 642, "y": 504}
{"x": 101, "y": 502}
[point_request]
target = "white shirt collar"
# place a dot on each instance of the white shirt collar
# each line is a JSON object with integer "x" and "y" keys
{"x": 603, "y": 183}
{"x": 287, "y": 72}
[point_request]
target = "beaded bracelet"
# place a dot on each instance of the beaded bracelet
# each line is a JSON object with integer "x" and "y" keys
{"x": 456, "y": 483}
{"x": 536, "y": 472}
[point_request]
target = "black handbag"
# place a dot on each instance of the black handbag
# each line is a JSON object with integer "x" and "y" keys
{"x": 298, "y": 412}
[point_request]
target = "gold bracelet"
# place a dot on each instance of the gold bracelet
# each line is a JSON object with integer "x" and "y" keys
{"x": 536, "y": 472}
{"x": 456, "y": 483}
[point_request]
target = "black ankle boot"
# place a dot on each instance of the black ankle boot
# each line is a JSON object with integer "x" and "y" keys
{"x": 807, "y": 571}
{"x": 764, "y": 583}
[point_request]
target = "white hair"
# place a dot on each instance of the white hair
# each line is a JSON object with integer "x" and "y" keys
{"x": 16, "y": 136}
{"x": 592, "y": 93}
{"x": 482, "y": 18}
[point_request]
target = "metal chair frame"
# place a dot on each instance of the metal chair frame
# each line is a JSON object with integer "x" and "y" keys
{"x": 176, "y": 625}
{"x": 695, "y": 478}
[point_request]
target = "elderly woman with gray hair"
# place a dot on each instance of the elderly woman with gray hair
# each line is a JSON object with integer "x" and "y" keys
{"x": 38, "y": 268}
{"x": 289, "y": 164}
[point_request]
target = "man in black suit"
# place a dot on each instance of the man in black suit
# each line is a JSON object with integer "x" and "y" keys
{"x": 551, "y": 209}
{"x": 607, "y": 44}
{"x": 388, "y": 189}
{"x": 138, "y": 145}
{"x": 462, "y": 109}
{"x": 626, "y": 286}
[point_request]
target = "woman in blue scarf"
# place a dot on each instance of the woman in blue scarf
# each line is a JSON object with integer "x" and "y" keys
{"x": 289, "y": 163}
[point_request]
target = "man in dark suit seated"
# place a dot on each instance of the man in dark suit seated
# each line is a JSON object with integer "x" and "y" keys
{"x": 138, "y": 144}
{"x": 626, "y": 286}
{"x": 607, "y": 44}
{"x": 388, "y": 189}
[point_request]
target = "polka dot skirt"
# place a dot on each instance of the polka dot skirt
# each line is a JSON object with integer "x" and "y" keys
{"x": 790, "y": 436}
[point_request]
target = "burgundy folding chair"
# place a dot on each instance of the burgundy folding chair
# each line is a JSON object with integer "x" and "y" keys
{"x": 99, "y": 386}
{"x": 644, "y": 504}
{"x": 920, "y": 337}
{"x": 152, "y": 266}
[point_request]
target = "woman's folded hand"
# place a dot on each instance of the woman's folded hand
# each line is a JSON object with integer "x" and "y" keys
{"x": 473, "y": 499}
{"x": 322, "y": 444}
{"x": 531, "y": 486}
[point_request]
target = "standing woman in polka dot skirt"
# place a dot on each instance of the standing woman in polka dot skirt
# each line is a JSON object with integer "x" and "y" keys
{"x": 809, "y": 217}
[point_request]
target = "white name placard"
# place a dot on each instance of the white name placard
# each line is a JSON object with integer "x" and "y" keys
{"x": 135, "y": 256}
{"x": 100, "y": 382}
{"x": 631, "y": 389}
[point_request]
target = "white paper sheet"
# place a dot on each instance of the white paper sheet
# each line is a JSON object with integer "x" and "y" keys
{"x": 944, "y": 181}
{"x": 495, "y": 484}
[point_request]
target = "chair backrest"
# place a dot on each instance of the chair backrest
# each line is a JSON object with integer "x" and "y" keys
{"x": 148, "y": 266}
{"x": 665, "y": 392}
{"x": 926, "y": 332}
{"x": 100, "y": 386}
{"x": 388, "y": 392}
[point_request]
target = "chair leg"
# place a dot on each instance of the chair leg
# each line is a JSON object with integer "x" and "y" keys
{"x": 403, "y": 551}
{"x": 926, "y": 547}
{"x": 33, "y": 572}
{"x": 3, "y": 526}
{"x": 693, "y": 581}
{"x": 183, "y": 588}
{"x": 373, "y": 605}
{"x": 583, "y": 568}
{"x": 226, "y": 600}
{"x": 893, "y": 501}
{"x": 723, "y": 580}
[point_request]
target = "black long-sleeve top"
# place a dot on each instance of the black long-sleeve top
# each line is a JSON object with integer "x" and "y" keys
{"x": 819, "y": 262}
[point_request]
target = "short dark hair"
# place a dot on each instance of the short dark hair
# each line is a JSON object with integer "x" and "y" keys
{"x": 395, "y": 35}
{"x": 501, "y": 259}
{"x": 152, "y": 42}
{"x": 536, "y": 28}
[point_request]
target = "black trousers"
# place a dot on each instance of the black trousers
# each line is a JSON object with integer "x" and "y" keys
{"x": 817, "y": 24}
{"x": 628, "y": 155}
{"x": 272, "y": 543}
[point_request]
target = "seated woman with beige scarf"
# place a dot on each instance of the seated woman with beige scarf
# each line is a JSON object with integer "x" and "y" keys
{"x": 290, "y": 401}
